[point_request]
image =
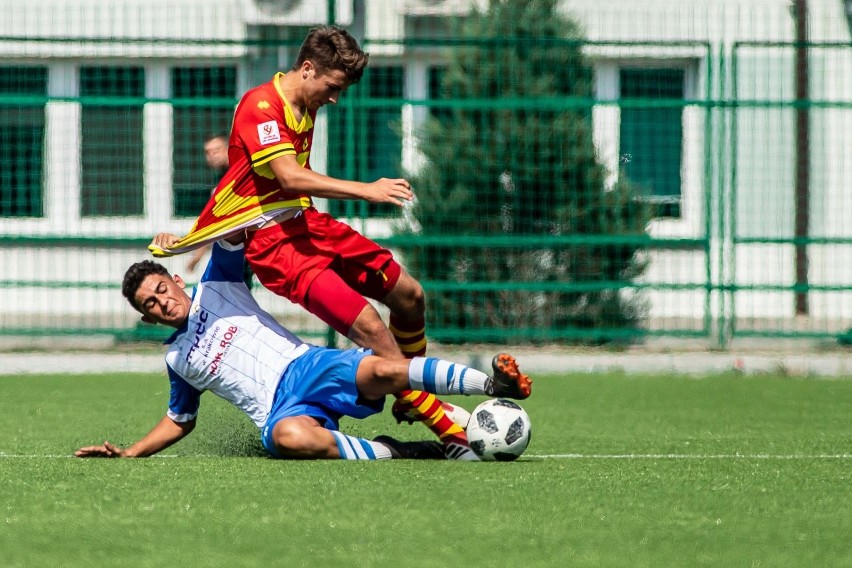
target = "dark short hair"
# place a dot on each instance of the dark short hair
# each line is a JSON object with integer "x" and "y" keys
{"x": 331, "y": 48}
{"x": 135, "y": 275}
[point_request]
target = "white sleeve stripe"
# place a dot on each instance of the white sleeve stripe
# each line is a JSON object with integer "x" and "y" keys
{"x": 181, "y": 417}
{"x": 230, "y": 246}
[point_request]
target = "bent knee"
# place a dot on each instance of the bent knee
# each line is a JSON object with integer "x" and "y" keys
{"x": 408, "y": 299}
{"x": 288, "y": 436}
{"x": 294, "y": 438}
{"x": 418, "y": 300}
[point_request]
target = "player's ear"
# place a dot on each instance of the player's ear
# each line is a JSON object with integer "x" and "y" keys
{"x": 179, "y": 281}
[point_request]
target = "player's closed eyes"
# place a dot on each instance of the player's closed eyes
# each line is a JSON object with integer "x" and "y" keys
{"x": 149, "y": 303}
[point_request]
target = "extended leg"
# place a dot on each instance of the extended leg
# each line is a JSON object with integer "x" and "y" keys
{"x": 302, "y": 437}
{"x": 378, "y": 377}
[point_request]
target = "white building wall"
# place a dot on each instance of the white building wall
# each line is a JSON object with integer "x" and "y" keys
{"x": 154, "y": 20}
{"x": 764, "y": 142}
{"x": 763, "y": 151}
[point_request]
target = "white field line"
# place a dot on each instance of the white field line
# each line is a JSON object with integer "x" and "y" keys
{"x": 66, "y": 456}
{"x": 692, "y": 456}
{"x": 553, "y": 456}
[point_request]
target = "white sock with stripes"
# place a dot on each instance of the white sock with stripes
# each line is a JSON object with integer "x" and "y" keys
{"x": 443, "y": 377}
{"x": 352, "y": 448}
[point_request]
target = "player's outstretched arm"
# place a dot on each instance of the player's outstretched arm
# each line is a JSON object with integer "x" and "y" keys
{"x": 163, "y": 435}
{"x": 294, "y": 177}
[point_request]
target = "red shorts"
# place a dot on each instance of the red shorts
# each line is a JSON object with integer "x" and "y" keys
{"x": 288, "y": 257}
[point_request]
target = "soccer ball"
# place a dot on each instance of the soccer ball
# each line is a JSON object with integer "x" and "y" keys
{"x": 499, "y": 430}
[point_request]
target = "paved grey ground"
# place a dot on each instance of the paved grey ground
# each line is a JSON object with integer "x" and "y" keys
{"x": 833, "y": 364}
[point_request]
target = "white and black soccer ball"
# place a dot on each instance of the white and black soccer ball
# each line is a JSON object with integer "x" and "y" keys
{"x": 499, "y": 430}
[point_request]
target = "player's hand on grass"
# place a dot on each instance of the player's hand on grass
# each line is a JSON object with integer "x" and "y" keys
{"x": 106, "y": 450}
{"x": 384, "y": 190}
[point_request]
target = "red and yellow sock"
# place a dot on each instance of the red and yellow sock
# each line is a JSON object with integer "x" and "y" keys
{"x": 425, "y": 407}
{"x": 409, "y": 335}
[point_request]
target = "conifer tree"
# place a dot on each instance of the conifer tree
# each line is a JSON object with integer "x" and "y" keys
{"x": 509, "y": 171}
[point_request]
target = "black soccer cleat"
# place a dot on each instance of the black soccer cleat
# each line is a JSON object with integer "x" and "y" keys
{"x": 507, "y": 381}
{"x": 412, "y": 450}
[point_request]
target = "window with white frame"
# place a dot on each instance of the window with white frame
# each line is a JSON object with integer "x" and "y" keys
{"x": 203, "y": 100}
{"x": 651, "y": 134}
{"x": 367, "y": 146}
{"x": 112, "y": 153}
{"x": 22, "y": 128}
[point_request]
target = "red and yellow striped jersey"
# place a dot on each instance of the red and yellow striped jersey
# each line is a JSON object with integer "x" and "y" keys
{"x": 264, "y": 128}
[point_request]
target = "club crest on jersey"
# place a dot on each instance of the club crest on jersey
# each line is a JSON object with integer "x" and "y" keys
{"x": 268, "y": 132}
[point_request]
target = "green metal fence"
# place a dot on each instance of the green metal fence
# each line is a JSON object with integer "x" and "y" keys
{"x": 575, "y": 183}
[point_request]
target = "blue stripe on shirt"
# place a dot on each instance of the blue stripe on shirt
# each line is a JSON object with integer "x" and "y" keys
{"x": 225, "y": 265}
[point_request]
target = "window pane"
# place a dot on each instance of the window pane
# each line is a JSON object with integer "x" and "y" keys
{"x": 194, "y": 119}
{"x": 112, "y": 151}
{"x": 652, "y": 83}
{"x": 377, "y": 150}
{"x": 435, "y": 93}
{"x": 652, "y": 137}
{"x": 383, "y": 140}
{"x": 22, "y": 142}
{"x": 204, "y": 82}
{"x": 23, "y": 81}
{"x": 341, "y": 158}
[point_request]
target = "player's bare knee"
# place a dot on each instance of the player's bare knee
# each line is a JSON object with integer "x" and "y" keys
{"x": 417, "y": 301}
{"x": 407, "y": 300}
{"x": 292, "y": 439}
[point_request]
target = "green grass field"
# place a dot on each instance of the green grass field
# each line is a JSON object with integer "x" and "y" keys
{"x": 622, "y": 471}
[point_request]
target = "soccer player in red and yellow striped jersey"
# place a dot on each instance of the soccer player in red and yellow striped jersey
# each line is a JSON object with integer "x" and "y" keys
{"x": 303, "y": 254}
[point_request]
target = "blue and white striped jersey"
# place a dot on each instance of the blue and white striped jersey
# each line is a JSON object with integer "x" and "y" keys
{"x": 228, "y": 345}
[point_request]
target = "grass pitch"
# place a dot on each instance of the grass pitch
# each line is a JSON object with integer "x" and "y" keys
{"x": 622, "y": 471}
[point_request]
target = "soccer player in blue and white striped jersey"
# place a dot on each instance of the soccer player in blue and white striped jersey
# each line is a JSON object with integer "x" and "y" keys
{"x": 294, "y": 392}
